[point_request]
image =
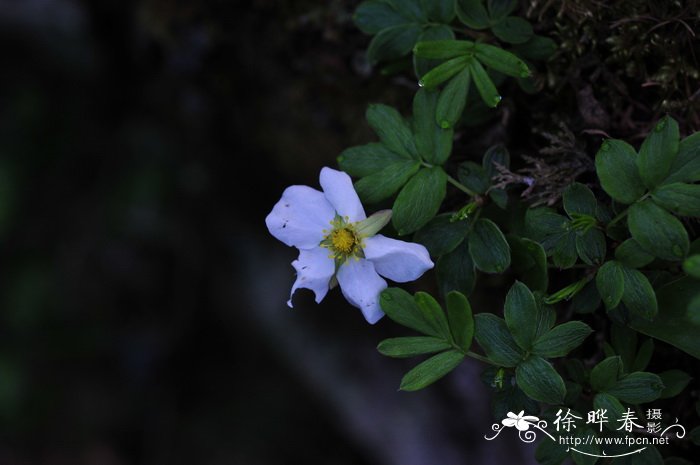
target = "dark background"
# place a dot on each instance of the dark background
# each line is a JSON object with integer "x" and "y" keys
{"x": 143, "y": 313}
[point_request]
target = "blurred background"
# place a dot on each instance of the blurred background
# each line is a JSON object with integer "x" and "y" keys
{"x": 143, "y": 318}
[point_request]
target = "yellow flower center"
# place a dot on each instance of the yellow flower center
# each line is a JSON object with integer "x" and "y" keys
{"x": 343, "y": 240}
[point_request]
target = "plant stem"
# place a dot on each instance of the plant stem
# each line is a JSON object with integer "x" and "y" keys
{"x": 461, "y": 186}
{"x": 622, "y": 214}
{"x": 481, "y": 358}
{"x": 578, "y": 265}
{"x": 453, "y": 181}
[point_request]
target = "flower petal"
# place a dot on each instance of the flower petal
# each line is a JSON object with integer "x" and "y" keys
{"x": 361, "y": 285}
{"x": 300, "y": 217}
{"x": 314, "y": 271}
{"x": 338, "y": 188}
{"x": 522, "y": 425}
{"x": 397, "y": 260}
{"x": 509, "y": 422}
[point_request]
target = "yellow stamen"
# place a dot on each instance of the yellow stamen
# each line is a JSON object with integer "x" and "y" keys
{"x": 343, "y": 240}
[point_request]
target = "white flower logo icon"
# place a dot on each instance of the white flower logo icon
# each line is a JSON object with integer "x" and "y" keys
{"x": 520, "y": 421}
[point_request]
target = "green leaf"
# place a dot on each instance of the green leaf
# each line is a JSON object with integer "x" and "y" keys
{"x": 424, "y": 127}
{"x": 631, "y": 254}
{"x": 582, "y": 434}
{"x": 578, "y": 199}
{"x": 500, "y": 60}
{"x": 680, "y": 460}
{"x": 638, "y": 295}
{"x": 443, "y": 49}
{"x": 591, "y": 246}
{"x": 540, "y": 381}
{"x": 587, "y": 300}
{"x": 472, "y": 13}
{"x": 617, "y": 170}
{"x": 510, "y": 398}
{"x": 484, "y": 84}
{"x": 624, "y": 341}
{"x": 443, "y": 146}
{"x": 452, "y": 99}
{"x": 434, "y": 144}
{"x": 611, "y": 405}
{"x": 499, "y": 197}
{"x": 564, "y": 254}
{"x": 606, "y": 373}
{"x": 431, "y": 370}
{"x": 561, "y": 339}
{"x": 400, "y": 306}
{"x": 692, "y": 266}
{"x": 658, "y": 152}
{"x": 649, "y": 456}
{"x": 686, "y": 167}
{"x": 657, "y": 231}
{"x": 610, "y": 281}
{"x": 492, "y": 335}
{"x": 433, "y": 314}
{"x": 641, "y": 361}
{"x": 538, "y": 48}
{"x": 550, "y": 453}
{"x": 545, "y": 317}
{"x": 546, "y": 227}
{"x": 680, "y": 198}
{"x": 419, "y": 200}
{"x": 695, "y": 435}
{"x": 392, "y": 130}
{"x": 412, "y": 9}
{"x": 694, "y": 310}
{"x": 674, "y": 324}
{"x": 403, "y": 347}
{"x": 372, "y": 16}
{"x": 473, "y": 176}
{"x": 439, "y": 10}
{"x": 459, "y": 315}
{"x": 393, "y": 43}
{"x": 637, "y": 388}
{"x": 438, "y": 32}
{"x": 445, "y": 71}
{"x": 383, "y": 184}
{"x": 488, "y": 247}
{"x": 496, "y": 154}
{"x": 364, "y": 160}
{"x": 529, "y": 261}
{"x": 520, "y": 312}
{"x": 573, "y": 392}
{"x": 455, "y": 271}
{"x": 674, "y": 381}
{"x": 513, "y": 29}
{"x": 499, "y": 9}
{"x": 442, "y": 235}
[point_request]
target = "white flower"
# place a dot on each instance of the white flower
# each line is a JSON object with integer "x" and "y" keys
{"x": 337, "y": 243}
{"x": 520, "y": 421}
